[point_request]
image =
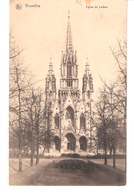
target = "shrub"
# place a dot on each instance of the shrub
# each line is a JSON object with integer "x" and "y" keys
{"x": 74, "y": 155}
{"x": 63, "y": 155}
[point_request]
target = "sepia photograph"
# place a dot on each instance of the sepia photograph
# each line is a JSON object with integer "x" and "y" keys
{"x": 67, "y": 92}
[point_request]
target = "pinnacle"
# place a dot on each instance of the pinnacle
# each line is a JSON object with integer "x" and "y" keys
{"x": 87, "y": 67}
{"x": 50, "y": 67}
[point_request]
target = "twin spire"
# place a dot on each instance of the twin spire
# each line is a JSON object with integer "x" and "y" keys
{"x": 50, "y": 71}
{"x": 87, "y": 70}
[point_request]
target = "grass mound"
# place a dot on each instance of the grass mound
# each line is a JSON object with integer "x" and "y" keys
{"x": 71, "y": 164}
{"x": 70, "y": 155}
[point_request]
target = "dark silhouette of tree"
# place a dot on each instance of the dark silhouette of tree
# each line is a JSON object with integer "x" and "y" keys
{"x": 111, "y": 107}
{"x": 35, "y": 122}
{"x": 19, "y": 85}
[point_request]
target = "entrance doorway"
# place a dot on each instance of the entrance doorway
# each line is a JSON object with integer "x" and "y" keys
{"x": 71, "y": 144}
{"x": 83, "y": 143}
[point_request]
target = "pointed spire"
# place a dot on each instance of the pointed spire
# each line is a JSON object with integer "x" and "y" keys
{"x": 69, "y": 14}
{"x": 50, "y": 67}
{"x": 69, "y": 45}
{"x": 87, "y": 71}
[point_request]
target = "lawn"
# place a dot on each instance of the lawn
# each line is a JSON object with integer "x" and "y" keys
{"x": 65, "y": 172}
{"x": 120, "y": 163}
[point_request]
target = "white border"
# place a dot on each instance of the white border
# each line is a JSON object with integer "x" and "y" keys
{"x": 4, "y": 47}
{"x": 4, "y": 68}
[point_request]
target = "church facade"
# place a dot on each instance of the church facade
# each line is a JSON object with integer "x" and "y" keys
{"x": 69, "y": 110}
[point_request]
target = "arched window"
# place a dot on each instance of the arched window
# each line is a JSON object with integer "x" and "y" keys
{"x": 57, "y": 142}
{"x": 57, "y": 120}
{"x": 69, "y": 83}
{"x": 69, "y": 69}
{"x": 82, "y": 121}
{"x": 70, "y": 114}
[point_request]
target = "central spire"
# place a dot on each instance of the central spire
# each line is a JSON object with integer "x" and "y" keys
{"x": 69, "y": 46}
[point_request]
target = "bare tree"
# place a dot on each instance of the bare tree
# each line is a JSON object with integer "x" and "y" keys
{"x": 120, "y": 91}
{"x": 48, "y": 134}
{"x": 35, "y": 122}
{"x": 113, "y": 132}
{"x": 102, "y": 121}
{"x": 39, "y": 122}
{"x": 20, "y": 80}
{"x": 120, "y": 55}
{"x": 115, "y": 94}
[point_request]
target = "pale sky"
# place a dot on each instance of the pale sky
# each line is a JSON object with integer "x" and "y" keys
{"x": 42, "y": 33}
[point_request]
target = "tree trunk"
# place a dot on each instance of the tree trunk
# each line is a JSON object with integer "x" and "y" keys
{"x": 105, "y": 159}
{"x": 20, "y": 131}
{"x": 32, "y": 138}
{"x": 97, "y": 151}
{"x": 48, "y": 147}
{"x": 20, "y": 155}
{"x": 43, "y": 151}
{"x": 111, "y": 151}
{"x": 37, "y": 156}
{"x": 37, "y": 132}
{"x": 114, "y": 157}
{"x": 32, "y": 154}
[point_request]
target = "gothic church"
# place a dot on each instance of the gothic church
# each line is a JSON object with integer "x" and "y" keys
{"x": 69, "y": 114}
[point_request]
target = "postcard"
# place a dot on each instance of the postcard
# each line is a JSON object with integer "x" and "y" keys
{"x": 67, "y": 93}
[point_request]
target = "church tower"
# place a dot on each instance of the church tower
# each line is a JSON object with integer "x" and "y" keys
{"x": 87, "y": 85}
{"x": 50, "y": 85}
{"x": 69, "y": 83}
{"x": 69, "y": 116}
